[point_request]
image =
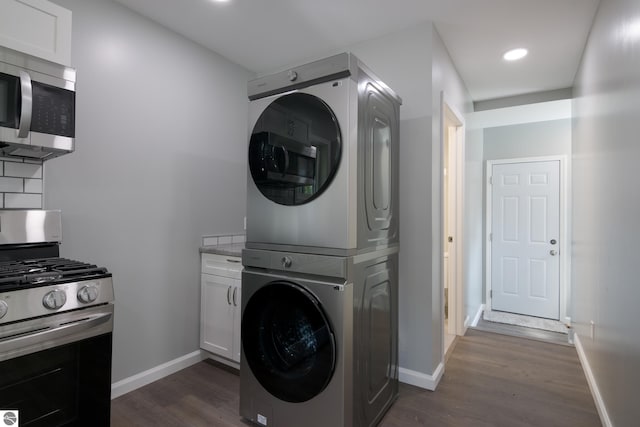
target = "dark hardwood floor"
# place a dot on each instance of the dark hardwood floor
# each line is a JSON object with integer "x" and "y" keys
{"x": 490, "y": 380}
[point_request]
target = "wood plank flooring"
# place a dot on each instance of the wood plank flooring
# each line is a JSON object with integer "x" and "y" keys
{"x": 490, "y": 380}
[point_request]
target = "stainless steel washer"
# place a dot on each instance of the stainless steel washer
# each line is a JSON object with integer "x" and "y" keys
{"x": 323, "y": 160}
{"x": 319, "y": 338}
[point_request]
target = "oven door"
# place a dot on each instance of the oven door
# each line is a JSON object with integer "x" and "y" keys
{"x": 56, "y": 370}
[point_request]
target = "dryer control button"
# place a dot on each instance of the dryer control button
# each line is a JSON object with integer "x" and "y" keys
{"x": 286, "y": 262}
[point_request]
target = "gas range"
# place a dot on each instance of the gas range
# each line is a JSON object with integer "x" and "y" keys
{"x": 56, "y": 326}
{"x": 35, "y": 281}
{"x": 39, "y": 287}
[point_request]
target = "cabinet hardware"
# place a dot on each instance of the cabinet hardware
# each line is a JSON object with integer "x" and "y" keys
{"x": 229, "y": 295}
{"x": 235, "y": 292}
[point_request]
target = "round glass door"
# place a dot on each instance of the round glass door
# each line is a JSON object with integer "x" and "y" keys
{"x": 288, "y": 342}
{"x": 295, "y": 149}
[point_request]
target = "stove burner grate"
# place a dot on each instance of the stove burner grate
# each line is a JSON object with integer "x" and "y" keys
{"x": 33, "y": 272}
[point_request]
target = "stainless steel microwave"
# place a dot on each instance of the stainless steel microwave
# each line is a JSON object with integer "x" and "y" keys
{"x": 37, "y": 107}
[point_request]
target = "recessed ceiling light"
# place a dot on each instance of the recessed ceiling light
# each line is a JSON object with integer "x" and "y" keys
{"x": 515, "y": 54}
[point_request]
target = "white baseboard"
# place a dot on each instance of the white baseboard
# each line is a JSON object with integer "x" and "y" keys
{"x": 476, "y": 318}
{"x": 419, "y": 379}
{"x": 150, "y": 375}
{"x": 591, "y": 380}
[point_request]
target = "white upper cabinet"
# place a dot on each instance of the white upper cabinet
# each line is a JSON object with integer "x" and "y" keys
{"x": 37, "y": 27}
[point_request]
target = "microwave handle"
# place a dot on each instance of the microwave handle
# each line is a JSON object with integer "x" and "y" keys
{"x": 27, "y": 104}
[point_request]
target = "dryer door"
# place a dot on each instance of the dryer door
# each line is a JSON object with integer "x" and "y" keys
{"x": 288, "y": 342}
{"x": 295, "y": 149}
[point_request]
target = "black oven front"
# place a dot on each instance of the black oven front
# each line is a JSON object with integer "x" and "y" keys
{"x": 56, "y": 370}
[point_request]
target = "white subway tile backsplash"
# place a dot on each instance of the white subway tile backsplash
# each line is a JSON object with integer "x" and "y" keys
{"x": 32, "y": 185}
{"x": 13, "y": 185}
{"x": 22, "y": 170}
{"x": 21, "y": 184}
{"x": 238, "y": 238}
{"x": 210, "y": 241}
{"x": 223, "y": 240}
{"x": 22, "y": 201}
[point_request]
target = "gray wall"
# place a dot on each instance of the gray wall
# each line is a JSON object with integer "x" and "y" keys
{"x": 528, "y": 140}
{"x": 160, "y": 161}
{"x": 417, "y": 66}
{"x": 606, "y": 206}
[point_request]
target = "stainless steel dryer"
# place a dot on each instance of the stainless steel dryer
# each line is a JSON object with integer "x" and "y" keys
{"x": 319, "y": 338}
{"x": 323, "y": 160}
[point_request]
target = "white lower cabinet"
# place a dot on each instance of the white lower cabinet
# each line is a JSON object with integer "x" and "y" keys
{"x": 220, "y": 306}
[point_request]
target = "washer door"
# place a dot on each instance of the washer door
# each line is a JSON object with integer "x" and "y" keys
{"x": 295, "y": 149}
{"x": 288, "y": 342}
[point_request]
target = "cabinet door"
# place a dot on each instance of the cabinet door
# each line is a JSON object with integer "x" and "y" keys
{"x": 217, "y": 314}
{"x": 237, "y": 344}
{"x": 36, "y": 27}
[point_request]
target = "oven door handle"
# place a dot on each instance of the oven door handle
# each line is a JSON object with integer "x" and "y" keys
{"x": 26, "y": 108}
{"x": 51, "y": 335}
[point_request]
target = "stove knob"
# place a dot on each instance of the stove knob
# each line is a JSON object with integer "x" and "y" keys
{"x": 55, "y": 299}
{"x": 88, "y": 294}
{"x": 3, "y": 308}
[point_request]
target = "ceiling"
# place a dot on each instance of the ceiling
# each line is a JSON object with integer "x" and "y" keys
{"x": 267, "y": 35}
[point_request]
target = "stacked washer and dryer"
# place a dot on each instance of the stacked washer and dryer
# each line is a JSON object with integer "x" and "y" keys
{"x": 320, "y": 279}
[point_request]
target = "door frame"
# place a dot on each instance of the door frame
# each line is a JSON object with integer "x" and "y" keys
{"x": 565, "y": 227}
{"x": 451, "y": 117}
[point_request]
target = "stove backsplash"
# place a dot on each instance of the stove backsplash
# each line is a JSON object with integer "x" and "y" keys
{"x": 21, "y": 183}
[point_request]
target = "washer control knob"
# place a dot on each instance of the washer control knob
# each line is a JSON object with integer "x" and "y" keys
{"x": 3, "y": 308}
{"x": 88, "y": 293}
{"x": 293, "y": 76}
{"x": 286, "y": 262}
{"x": 55, "y": 299}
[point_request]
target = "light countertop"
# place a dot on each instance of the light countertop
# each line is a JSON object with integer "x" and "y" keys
{"x": 227, "y": 249}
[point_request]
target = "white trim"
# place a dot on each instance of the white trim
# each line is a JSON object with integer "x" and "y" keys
{"x": 449, "y": 114}
{"x": 150, "y": 375}
{"x": 466, "y": 323}
{"x": 419, "y": 379}
{"x": 565, "y": 227}
{"x": 476, "y": 318}
{"x": 593, "y": 385}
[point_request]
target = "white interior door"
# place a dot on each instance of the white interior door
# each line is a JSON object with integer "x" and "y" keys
{"x": 525, "y": 227}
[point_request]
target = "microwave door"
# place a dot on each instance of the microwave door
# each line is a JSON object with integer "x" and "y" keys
{"x": 15, "y": 107}
{"x": 9, "y": 106}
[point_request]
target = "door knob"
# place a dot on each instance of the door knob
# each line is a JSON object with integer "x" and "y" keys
{"x": 553, "y": 252}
